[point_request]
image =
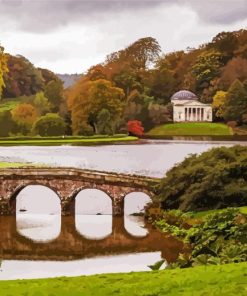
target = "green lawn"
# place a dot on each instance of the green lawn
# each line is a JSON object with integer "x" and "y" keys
{"x": 191, "y": 129}
{"x": 5, "y": 165}
{"x": 62, "y": 141}
{"x": 8, "y": 105}
{"x": 229, "y": 279}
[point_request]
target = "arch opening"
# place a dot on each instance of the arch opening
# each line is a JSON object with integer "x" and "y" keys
{"x": 93, "y": 214}
{"x": 38, "y": 213}
{"x": 134, "y": 205}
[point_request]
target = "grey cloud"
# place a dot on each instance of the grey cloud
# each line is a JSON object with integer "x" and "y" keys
{"x": 219, "y": 11}
{"x": 41, "y": 16}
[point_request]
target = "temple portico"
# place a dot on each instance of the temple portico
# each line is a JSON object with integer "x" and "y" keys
{"x": 187, "y": 108}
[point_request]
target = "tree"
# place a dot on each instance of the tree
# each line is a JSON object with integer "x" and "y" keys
{"x": 236, "y": 102}
{"x": 102, "y": 95}
{"x": 236, "y": 68}
{"x": 50, "y": 124}
{"x": 206, "y": 68}
{"x": 159, "y": 114}
{"x": 89, "y": 98}
{"x": 7, "y": 124}
{"x": 41, "y": 103}
{"x": 211, "y": 180}
{"x": 226, "y": 43}
{"x": 22, "y": 78}
{"x": 104, "y": 122}
{"x": 54, "y": 93}
{"x": 24, "y": 115}
{"x": 219, "y": 101}
{"x": 3, "y": 69}
{"x": 135, "y": 128}
{"x": 139, "y": 55}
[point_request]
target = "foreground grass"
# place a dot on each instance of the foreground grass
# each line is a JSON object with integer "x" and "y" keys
{"x": 228, "y": 279}
{"x": 63, "y": 141}
{"x": 191, "y": 129}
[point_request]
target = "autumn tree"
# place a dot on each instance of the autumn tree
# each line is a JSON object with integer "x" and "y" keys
{"x": 236, "y": 68}
{"x": 236, "y": 102}
{"x": 89, "y": 99}
{"x": 219, "y": 101}
{"x": 226, "y": 43}
{"x": 102, "y": 95}
{"x": 140, "y": 54}
{"x": 24, "y": 115}
{"x": 3, "y": 69}
{"x": 22, "y": 78}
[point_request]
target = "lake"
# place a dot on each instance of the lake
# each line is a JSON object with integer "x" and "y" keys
{"x": 39, "y": 242}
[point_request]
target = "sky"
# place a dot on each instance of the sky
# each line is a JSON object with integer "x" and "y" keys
{"x": 69, "y": 36}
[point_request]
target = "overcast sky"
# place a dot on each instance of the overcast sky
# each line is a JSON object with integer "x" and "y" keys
{"x": 69, "y": 36}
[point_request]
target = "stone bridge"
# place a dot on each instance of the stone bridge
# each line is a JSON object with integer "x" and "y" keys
{"x": 68, "y": 182}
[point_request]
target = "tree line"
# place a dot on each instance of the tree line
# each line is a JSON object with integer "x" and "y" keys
{"x": 133, "y": 85}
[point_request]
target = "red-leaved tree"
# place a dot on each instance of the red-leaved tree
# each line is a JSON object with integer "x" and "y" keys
{"x": 135, "y": 128}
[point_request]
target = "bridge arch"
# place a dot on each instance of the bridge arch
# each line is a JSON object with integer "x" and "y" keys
{"x": 93, "y": 214}
{"x": 74, "y": 195}
{"x": 15, "y": 193}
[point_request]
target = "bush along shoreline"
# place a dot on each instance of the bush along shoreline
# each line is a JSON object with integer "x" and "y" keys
{"x": 211, "y": 239}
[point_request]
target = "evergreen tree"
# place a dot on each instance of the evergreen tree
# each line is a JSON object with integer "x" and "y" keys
{"x": 236, "y": 102}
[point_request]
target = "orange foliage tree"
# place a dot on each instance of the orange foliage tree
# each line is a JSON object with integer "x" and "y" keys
{"x": 24, "y": 115}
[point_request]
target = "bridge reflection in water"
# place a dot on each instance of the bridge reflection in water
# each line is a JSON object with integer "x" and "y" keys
{"x": 70, "y": 244}
{"x": 39, "y": 232}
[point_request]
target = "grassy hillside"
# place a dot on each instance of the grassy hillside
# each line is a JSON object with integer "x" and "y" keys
{"x": 229, "y": 279}
{"x": 191, "y": 129}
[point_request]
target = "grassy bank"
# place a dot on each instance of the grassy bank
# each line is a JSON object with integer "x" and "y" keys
{"x": 39, "y": 141}
{"x": 9, "y": 104}
{"x": 5, "y": 165}
{"x": 229, "y": 279}
{"x": 191, "y": 129}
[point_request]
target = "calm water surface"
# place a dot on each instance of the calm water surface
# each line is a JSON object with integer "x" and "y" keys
{"x": 151, "y": 159}
{"x": 38, "y": 242}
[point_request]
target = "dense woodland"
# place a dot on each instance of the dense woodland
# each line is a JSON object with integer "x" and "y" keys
{"x": 132, "y": 84}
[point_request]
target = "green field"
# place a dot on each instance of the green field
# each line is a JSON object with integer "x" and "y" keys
{"x": 63, "y": 141}
{"x": 228, "y": 279}
{"x": 191, "y": 129}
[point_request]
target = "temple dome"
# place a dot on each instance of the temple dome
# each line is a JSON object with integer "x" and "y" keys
{"x": 184, "y": 95}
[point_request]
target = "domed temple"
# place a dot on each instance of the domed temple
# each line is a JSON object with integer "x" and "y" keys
{"x": 186, "y": 107}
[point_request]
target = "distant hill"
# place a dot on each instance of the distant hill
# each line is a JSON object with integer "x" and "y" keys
{"x": 69, "y": 79}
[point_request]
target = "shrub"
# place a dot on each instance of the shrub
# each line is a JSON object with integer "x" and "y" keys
{"x": 215, "y": 179}
{"x": 50, "y": 124}
{"x": 135, "y": 128}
